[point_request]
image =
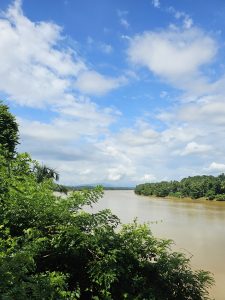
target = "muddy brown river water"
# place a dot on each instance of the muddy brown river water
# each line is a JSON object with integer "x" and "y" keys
{"x": 197, "y": 227}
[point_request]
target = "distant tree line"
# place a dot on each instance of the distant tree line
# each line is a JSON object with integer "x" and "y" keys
{"x": 209, "y": 187}
{"x": 91, "y": 187}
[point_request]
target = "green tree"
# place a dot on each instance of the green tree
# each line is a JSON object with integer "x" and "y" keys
{"x": 9, "y": 136}
{"x": 195, "y": 187}
{"x": 43, "y": 172}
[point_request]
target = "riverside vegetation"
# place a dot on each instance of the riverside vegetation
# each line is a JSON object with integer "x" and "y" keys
{"x": 50, "y": 248}
{"x": 208, "y": 187}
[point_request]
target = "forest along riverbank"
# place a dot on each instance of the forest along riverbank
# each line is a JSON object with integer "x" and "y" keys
{"x": 197, "y": 227}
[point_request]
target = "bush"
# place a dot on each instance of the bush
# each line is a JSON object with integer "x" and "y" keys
{"x": 210, "y": 195}
{"x": 220, "y": 197}
{"x": 176, "y": 194}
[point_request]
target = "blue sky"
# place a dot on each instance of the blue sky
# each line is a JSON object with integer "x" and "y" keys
{"x": 117, "y": 92}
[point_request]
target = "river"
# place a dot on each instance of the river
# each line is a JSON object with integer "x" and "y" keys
{"x": 197, "y": 227}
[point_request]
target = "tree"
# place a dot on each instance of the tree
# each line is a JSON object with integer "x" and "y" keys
{"x": 43, "y": 172}
{"x": 9, "y": 136}
{"x": 206, "y": 186}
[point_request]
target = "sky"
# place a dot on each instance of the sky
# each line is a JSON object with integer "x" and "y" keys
{"x": 117, "y": 92}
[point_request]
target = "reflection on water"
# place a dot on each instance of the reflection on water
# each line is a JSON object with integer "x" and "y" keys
{"x": 197, "y": 227}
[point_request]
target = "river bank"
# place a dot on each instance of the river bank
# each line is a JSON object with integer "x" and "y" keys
{"x": 186, "y": 198}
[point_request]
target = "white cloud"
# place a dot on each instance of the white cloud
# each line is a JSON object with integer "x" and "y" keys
{"x": 103, "y": 47}
{"x": 124, "y": 23}
{"x": 74, "y": 121}
{"x": 125, "y": 37}
{"x": 93, "y": 83}
{"x": 188, "y": 22}
{"x": 71, "y": 144}
{"x": 209, "y": 112}
{"x": 156, "y": 3}
{"x": 176, "y": 134}
{"x": 86, "y": 172}
{"x": 33, "y": 70}
{"x": 180, "y": 15}
{"x": 195, "y": 148}
{"x": 37, "y": 69}
{"x": 148, "y": 178}
{"x": 115, "y": 174}
{"x": 106, "y": 48}
{"x": 89, "y": 112}
{"x": 133, "y": 137}
{"x": 172, "y": 53}
{"x": 217, "y": 167}
{"x": 122, "y": 14}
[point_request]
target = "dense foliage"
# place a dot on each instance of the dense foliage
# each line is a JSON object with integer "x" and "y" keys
{"x": 51, "y": 249}
{"x": 194, "y": 187}
{"x": 8, "y": 132}
{"x": 43, "y": 172}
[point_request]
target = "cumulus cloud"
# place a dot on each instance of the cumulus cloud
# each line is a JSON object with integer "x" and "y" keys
{"x": 148, "y": 178}
{"x": 195, "y": 148}
{"x": 139, "y": 136}
{"x": 71, "y": 145}
{"x": 116, "y": 174}
{"x": 93, "y": 83}
{"x": 172, "y": 53}
{"x": 211, "y": 112}
{"x": 40, "y": 71}
{"x": 37, "y": 68}
{"x": 69, "y": 126}
{"x": 217, "y": 167}
{"x": 33, "y": 70}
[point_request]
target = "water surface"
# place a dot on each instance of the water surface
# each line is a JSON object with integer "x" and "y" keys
{"x": 197, "y": 227}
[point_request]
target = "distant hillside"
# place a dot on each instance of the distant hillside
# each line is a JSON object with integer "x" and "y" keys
{"x": 67, "y": 188}
{"x": 88, "y": 187}
{"x": 209, "y": 187}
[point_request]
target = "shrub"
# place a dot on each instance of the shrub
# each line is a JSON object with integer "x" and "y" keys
{"x": 220, "y": 197}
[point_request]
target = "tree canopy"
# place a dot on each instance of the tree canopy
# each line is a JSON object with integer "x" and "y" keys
{"x": 210, "y": 187}
{"x": 43, "y": 172}
{"x": 9, "y": 136}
